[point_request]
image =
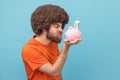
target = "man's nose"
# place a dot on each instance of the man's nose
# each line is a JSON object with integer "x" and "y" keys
{"x": 60, "y": 29}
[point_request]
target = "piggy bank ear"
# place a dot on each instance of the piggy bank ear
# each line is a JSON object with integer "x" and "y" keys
{"x": 70, "y": 28}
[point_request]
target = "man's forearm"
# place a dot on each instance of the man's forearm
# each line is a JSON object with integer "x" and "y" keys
{"x": 56, "y": 68}
{"x": 58, "y": 65}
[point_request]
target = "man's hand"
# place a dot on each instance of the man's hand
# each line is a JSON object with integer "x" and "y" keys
{"x": 69, "y": 43}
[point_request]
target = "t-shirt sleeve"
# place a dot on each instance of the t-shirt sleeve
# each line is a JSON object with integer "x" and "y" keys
{"x": 34, "y": 58}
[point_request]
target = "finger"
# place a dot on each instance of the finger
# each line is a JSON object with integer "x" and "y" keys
{"x": 66, "y": 40}
{"x": 76, "y": 41}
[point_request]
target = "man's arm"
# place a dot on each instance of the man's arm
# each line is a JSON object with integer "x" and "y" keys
{"x": 56, "y": 68}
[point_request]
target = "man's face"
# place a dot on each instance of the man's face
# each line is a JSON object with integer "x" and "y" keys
{"x": 55, "y": 32}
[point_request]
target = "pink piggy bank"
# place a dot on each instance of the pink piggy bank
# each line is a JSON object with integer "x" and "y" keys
{"x": 72, "y": 33}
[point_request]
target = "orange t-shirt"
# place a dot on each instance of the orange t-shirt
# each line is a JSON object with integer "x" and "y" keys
{"x": 35, "y": 54}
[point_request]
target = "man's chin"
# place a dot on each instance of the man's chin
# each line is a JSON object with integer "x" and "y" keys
{"x": 57, "y": 40}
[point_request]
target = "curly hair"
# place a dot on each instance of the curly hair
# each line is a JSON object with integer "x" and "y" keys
{"x": 46, "y": 15}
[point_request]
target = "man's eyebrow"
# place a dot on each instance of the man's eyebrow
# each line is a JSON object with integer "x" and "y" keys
{"x": 58, "y": 25}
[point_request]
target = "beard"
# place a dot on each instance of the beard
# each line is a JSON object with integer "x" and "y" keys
{"x": 53, "y": 38}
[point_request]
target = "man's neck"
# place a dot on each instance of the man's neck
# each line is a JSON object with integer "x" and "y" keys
{"x": 42, "y": 39}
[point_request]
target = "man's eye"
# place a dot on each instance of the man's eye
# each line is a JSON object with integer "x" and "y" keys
{"x": 57, "y": 26}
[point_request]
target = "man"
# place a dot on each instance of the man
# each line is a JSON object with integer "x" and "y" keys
{"x": 40, "y": 54}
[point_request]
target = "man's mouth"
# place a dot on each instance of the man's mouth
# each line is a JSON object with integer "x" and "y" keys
{"x": 60, "y": 34}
